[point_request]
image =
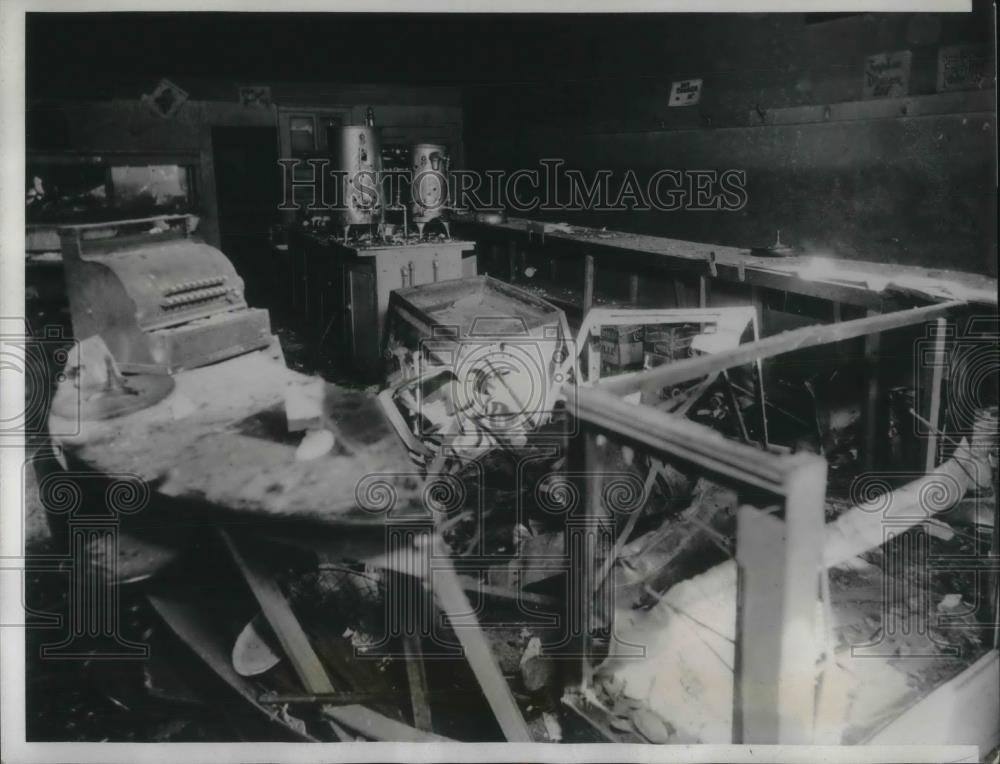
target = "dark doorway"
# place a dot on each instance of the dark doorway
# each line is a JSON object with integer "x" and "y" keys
{"x": 246, "y": 182}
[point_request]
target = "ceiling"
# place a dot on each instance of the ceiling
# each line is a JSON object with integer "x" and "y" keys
{"x": 68, "y": 51}
{"x": 76, "y": 53}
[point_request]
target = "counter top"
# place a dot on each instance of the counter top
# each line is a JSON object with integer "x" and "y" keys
{"x": 364, "y": 249}
{"x": 851, "y": 281}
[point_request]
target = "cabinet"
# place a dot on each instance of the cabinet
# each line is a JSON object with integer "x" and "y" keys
{"x": 347, "y": 288}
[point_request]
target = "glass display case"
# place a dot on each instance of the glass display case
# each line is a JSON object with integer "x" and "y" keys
{"x": 75, "y": 189}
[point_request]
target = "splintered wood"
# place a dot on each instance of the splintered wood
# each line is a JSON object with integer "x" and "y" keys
{"x": 687, "y": 674}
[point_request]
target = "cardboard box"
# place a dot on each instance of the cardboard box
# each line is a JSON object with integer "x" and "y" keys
{"x": 621, "y": 353}
{"x": 627, "y": 333}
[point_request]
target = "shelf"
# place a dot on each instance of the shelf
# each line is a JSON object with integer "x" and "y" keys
{"x": 938, "y": 104}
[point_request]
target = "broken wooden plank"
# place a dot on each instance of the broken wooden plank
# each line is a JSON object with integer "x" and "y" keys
{"x": 377, "y": 727}
{"x": 779, "y": 563}
{"x": 344, "y": 698}
{"x": 193, "y": 624}
{"x": 873, "y": 432}
{"x": 598, "y": 718}
{"x": 656, "y": 561}
{"x": 326, "y": 698}
{"x": 734, "y": 404}
{"x": 682, "y": 438}
{"x": 283, "y": 622}
{"x": 593, "y": 345}
{"x": 588, "y": 283}
{"x": 306, "y": 662}
{"x": 448, "y": 591}
{"x": 785, "y": 342}
{"x": 931, "y": 366}
{"x": 756, "y": 324}
{"x": 417, "y": 678}
{"x": 863, "y": 526}
{"x": 623, "y": 536}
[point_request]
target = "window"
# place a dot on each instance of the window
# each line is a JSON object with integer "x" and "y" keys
{"x": 303, "y": 134}
{"x": 157, "y": 187}
{"x": 64, "y": 188}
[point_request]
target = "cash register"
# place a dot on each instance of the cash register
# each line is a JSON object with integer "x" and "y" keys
{"x": 160, "y": 299}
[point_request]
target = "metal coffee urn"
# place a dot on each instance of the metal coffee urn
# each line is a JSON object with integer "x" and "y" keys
{"x": 357, "y": 153}
{"x": 429, "y": 185}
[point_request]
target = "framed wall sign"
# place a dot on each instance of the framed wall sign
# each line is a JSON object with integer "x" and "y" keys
{"x": 255, "y": 95}
{"x": 964, "y": 67}
{"x": 165, "y": 99}
{"x": 887, "y": 75}
{"x": 685, "y": 93}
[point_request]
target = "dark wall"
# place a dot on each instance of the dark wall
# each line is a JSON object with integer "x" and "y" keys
{"x": 862, "y": 182}
{"x": 113, "y": 120}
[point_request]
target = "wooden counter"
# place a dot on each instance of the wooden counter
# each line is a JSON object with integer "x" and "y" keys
{"x": 873, "y": 286}
{"x": 345, "y": 287}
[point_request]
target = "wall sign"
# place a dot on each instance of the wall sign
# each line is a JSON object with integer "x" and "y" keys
{"x": 165, "y": 99}
{"x": 964, "y": 67}
{"x": 255, "y": 95}
{"x": 685, "y": 93}
{"x": 887, "y": 75}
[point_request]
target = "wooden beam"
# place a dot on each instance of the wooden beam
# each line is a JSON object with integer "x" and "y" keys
{"x": 593, "y": 358}
{"x": 417, "y": 679}
{"x": 758, "y": 322}
{"x": 779, "y": 564}
{"x": 704, "y": 291}
{"x": 342, "y": 698}
{"x": 597, "y": 719}
{"x": 378, "y": 727}
{"x": 993, "y": 587}
{"x": 873, "y": 433}
{"x": 735, "y": 405}
{"x": 586, "y": 538}
{"x": 862, "y": 527}
{"x": 686, "y": 440}
{"x": 448, "y": 591}
{"x": 279, "y": 615}
{"x": 588, "y": 283}
{"x": 969, "y": 102}
{"x": 786, "y": 342}
{"x": 306, "y": 662}
{"x": 626, "y": 532}
{"x": 931, "y": 367}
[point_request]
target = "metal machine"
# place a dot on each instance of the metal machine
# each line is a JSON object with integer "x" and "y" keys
{"x": 357, "y": 154}
{"x": 429, "y": 185}
{"x": 160, "y": 300}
